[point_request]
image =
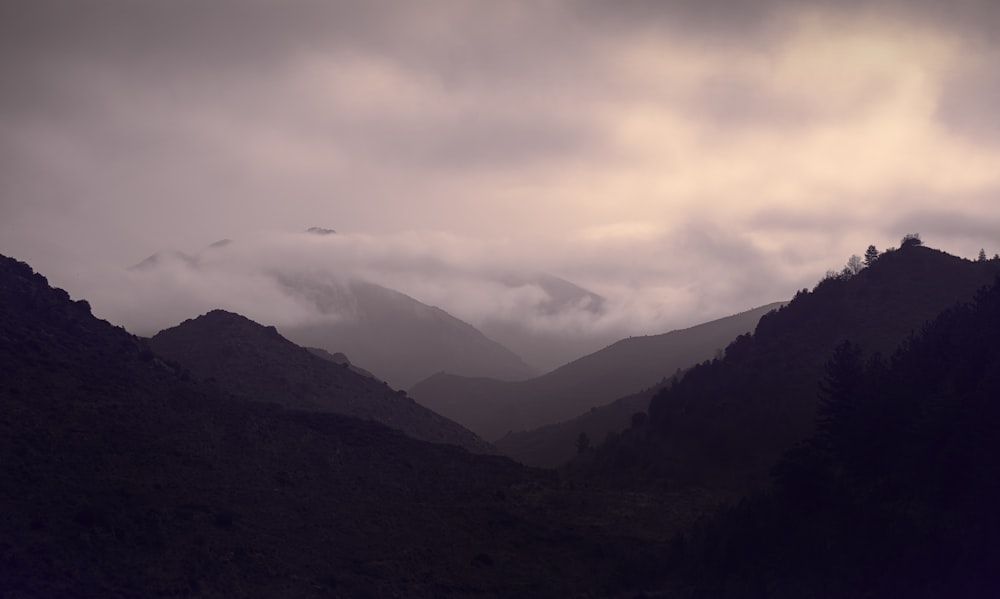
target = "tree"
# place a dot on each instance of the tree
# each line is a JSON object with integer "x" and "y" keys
{"x": 910, "y": 239}
{"x": 638, "y": 420}
{"x": 982, "y": 255}
{"x": 582, "y": 443}
{"x": 871, "y": 255}
{"x": 854, "y": 265}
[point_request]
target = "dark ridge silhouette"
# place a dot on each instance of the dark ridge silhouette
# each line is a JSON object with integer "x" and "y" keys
{"x": 725, "y": 422}
{"x": 254, "y": 362}
{"x": 123, "y": 476}
{"x": 555, "y": 444}
{"x": 492, "y": 408}
{"x": 895, "y": 493}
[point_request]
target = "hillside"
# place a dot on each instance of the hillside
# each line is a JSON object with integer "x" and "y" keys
{"x": 492, "y": 408}
{"x": 552, "y": 445}
{"x": 254, "y": 362}
{"x": 894, "y": 495}
{"x": 397, "y": 338}
{"x": 727, "y": 421}
{"x": 390, "y": 334}
{"x": 125, "y": 478}
{"x": 342, "y": 359}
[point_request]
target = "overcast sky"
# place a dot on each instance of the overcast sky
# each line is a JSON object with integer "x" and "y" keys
{"x": 686, "y": 159}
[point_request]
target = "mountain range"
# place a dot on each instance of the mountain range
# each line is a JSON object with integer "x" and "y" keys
{"x": 125, "y": 475}
{"x": 855, "y": 426}
{"x": 393, "y": 335}
{"x": 493, "y": 408}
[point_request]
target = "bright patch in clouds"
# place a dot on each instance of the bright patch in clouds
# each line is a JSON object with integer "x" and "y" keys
{"x": 682, "y": 161}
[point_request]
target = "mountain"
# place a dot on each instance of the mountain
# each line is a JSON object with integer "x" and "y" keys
{"x": 388, "y": 333}
{"x": 895, "y": 493}
{"x": 557, "y": 329}
{"x": 724, "y": 424}
{"x": 394, "y": 336}
{"x": 125, "y": 477}
{"x": 552, "y": 445}
{"x": 158, "y": 259}
{"x": 492, "y": 408}
{"x": 254, "y": 362}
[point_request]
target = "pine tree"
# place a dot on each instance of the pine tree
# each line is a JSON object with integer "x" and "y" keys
{"x": 871, "y": 255}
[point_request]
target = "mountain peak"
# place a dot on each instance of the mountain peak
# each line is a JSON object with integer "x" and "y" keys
{"x": 255, "y": 362}
{"x": 226, "y": 326}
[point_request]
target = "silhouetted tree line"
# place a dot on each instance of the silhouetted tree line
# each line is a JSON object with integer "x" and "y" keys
{"x": 895, "y": 493}
{"x": 723, "y": 424}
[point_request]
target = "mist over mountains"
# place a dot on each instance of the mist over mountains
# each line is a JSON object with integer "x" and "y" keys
{"x": 326, "y": 290}
{"x": 125, "y": 474}
{"x": 545, "y": 319}
{"x": 493, "y": 408}
{"x": 219, "y": 455}
{"x": 248, "y": 238}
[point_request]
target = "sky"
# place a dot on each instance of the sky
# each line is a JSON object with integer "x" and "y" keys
{"x": 684, "y": 159}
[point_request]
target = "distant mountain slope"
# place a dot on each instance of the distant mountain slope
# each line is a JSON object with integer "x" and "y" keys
{"x": 492, "y": 408}
{"x": 535, "y": 338}
{"x": 121, "y": 477}
{"x": 256, "y": 363}
{"x": 726, "y": 422}
{"x": 555, "y": 444}
{"x": 396, "y": 337}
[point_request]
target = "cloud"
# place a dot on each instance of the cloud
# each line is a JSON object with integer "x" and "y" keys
{"x": 683, "y": 159}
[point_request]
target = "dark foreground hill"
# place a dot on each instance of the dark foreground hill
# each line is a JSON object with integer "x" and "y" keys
{"x": 124, "y": 478}
{"x": 492, "y": 408}
{"x": 896, "y": 493}
{"x": 256, "y": 363}
{"x": 724, "y": 424}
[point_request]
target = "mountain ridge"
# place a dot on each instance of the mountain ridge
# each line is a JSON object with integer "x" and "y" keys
{"x": 725, "y": 422}
{"x": 386, "y": 332}
{"x": 493, "y": 408}
{"x": 125, "y": 477}
{"x": 254, "y": 361}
